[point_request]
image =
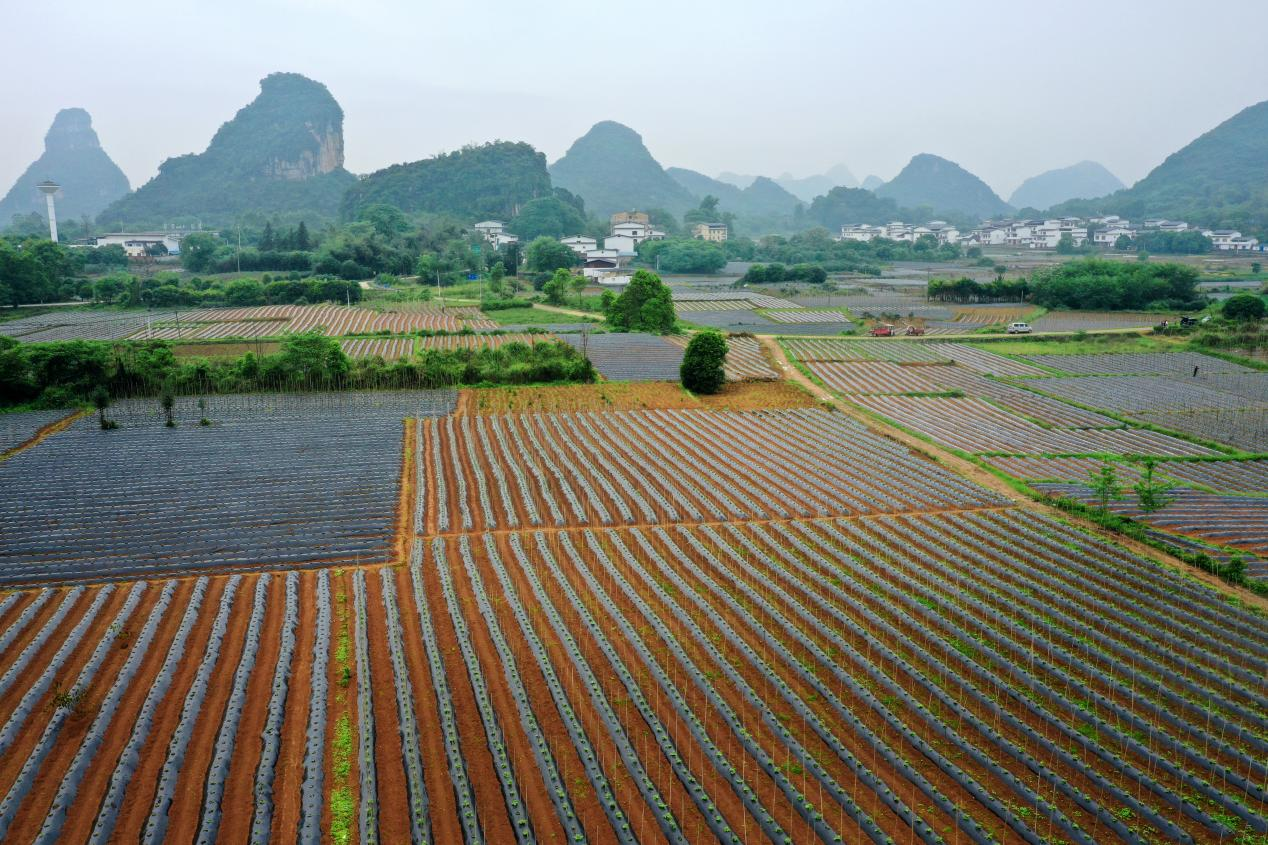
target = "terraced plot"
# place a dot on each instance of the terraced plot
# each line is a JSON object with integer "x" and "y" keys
{"x": 1239, "y": 521}
{"x": 484, "y": 341}
{"x": 252, "y": 491}
{"x": 621, "y": 468}
{"x": 387, "y": 348}
{"x": 806, "y": 315}
{"x": 1134, "y": 394}
{"x": 78, "y": 324}
{"x": 630, "y": 357}
{"x": 1226, "y": 476}
{"x": 1075, "y": 321}
{"x": 1138, "y": 363}
{"x": 877, "y": 377}
{"x": 973, "y": 425}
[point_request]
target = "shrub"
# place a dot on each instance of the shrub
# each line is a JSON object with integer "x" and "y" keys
{"x": 1244, "y": 306}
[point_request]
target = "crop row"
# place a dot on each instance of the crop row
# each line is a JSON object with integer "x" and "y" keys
{"x": 803, "y": 680}
{"x": 977, "y": 426}
{"x": 616, "y": 468}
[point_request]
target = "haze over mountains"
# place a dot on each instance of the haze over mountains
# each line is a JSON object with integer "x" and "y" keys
{"x": 282, "y": 156}
{"x": 1219, "y": 180}
{"x": 611, "y": 169}
{"x": 933, "y": 182}
{"x": 73, "y": 158}
{"x": 1085, "y": 180}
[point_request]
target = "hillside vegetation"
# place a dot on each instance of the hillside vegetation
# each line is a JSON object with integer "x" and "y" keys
{"x": 488, "y": 180}
{"x": 280, "y": 155}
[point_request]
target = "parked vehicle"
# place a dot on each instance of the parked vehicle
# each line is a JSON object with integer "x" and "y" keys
{"x": 1019, "y": 328}
{"x": 915, "y": 331}
{"x": 882, "y": 330}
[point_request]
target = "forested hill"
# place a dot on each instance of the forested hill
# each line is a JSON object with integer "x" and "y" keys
{"x": 1087, "y": 179}
{"x": 1219, "y": 180}
{"x": 490, "y": 180}
{"x": 612, "y": 171}
{"x": 935, "y": 183}
{"x": 74, "y": 159}
{"x": 282, "y": 154}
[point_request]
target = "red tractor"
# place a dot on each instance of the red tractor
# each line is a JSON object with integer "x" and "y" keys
{"x": 915, "y": 331}
{"x": 882, "y": 330}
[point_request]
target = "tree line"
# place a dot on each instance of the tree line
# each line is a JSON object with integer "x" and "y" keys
{"x": 67, "y": 373}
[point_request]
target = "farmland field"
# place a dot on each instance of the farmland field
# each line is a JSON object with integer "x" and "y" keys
{"x": 483, "y": 341}
{"x": 255, "y": 321}
{"x": 801, "y": 679}
{"x": 610, "y": 613}
{"x": 281, "y": 481}
{"x": 630, "y": 357}
{"x": 19, "y": 427}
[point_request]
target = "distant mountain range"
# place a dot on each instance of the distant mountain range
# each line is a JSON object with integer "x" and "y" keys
{"x": 761, "y": 198}
{"x": 1087, "y": 180}
{"x": 280, "y": 154}
{"x": 932, "y": 182}
{"x": 74, "y": 159}
{"x": 805, "y": 188}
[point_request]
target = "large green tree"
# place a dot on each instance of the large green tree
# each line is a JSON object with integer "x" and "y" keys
{"x": 702, "y": 369}
{"x": 548, "y": 216}
{"x": 546, "y": 255}
{"x": 645, "y": 305}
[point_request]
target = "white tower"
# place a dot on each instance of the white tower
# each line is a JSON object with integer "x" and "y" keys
{"x": 48, "y": 189}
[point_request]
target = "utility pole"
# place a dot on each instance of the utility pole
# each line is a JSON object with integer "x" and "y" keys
{"x": 239, "y": 246}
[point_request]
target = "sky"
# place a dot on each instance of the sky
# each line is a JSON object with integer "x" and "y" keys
{"x": 1007, "y": 90}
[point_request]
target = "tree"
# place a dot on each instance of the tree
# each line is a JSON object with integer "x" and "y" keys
{"x": 1244, "y": 306}
{"x": 556, "y": 289}
{"x": 101, "y": 401}
{"x": 1123, "y": 243}
{"x": 268, "y": 240}
{"x": 546, "y": 255}
{"x": 496, "y": 273}
{"x": 302, "y": 242}
{"x": 198, "y": 251}
{"x": 702, "y": 369}
{"x": 579, "y": 283}
{"x": 549, "y": 217}
{"x": 645, "y": 305}
{"x": 1065, "y": 245}
{"x": 1255, "y": 267}
{"x": 168, "y": 400}
{"x": 1105, "y": 486}
{"x": 1151, "y": 495}
{"x": 109, "y": 288}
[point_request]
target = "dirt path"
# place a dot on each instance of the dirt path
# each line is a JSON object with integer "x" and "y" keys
{"x": 571, "y": 312}
{"x": 977, "y": 474}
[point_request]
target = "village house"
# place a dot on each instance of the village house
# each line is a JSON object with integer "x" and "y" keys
{"x": 715, "y": 232}
{"x": 136, "y": 244}
{"x": 490, "y": 230}
{"x": 580, "y": 244}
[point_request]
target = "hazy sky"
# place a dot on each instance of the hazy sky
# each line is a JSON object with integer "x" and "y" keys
{"x": 1006, "y": 89}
